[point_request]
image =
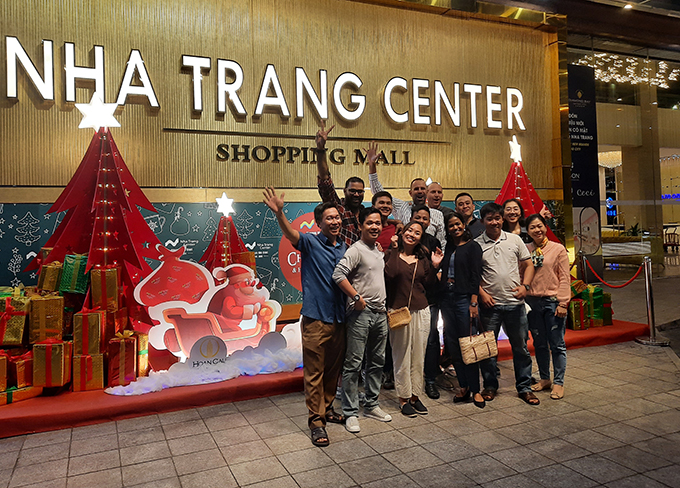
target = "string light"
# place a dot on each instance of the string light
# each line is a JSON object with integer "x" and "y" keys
{"x": 634, "y": 71}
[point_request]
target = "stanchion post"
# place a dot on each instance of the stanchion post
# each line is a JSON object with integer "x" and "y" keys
{"x": 584, "y": 266}
{"x": 652, "y": 340}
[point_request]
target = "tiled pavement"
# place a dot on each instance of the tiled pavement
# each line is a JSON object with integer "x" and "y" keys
{"x": 618, "y": 426}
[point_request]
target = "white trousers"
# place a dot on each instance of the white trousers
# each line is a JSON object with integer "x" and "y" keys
{"x": 408, "y": 354}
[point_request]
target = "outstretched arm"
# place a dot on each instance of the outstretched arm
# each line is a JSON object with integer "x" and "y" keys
{"x": 321, "y": 162}
{"x": 276, "y": 204}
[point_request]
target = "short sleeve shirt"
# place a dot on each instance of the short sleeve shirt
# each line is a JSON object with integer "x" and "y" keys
{"x": 500, "y": 266}
{"x": 321, "y": 297}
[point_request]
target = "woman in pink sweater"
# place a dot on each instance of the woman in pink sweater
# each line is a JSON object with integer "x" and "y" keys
{"x": 548, "y": 298}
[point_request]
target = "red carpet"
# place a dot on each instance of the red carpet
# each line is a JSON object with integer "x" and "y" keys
{"x": 73, "y": 409}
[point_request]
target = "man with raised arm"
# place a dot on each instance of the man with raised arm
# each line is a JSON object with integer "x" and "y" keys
{"x": 402, "y": 209}
{"x": 323, "y": 311}
{"x": 349, "y": 206}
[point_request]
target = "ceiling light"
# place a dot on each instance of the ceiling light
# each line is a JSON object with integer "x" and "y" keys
{"x": 628, "y": 6}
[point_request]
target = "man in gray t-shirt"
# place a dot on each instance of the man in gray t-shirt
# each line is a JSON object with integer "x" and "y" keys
{"x": 507, "y": 272}
{"x": 360, "y": 275}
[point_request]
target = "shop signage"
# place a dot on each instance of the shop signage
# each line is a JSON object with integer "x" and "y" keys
{"x": 490, "y": 106}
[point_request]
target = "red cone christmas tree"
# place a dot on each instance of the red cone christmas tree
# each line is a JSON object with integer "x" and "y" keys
{"x": 226, "y": 246}
{"x": 102, "y": 218}
{"x": 517, "y": 185}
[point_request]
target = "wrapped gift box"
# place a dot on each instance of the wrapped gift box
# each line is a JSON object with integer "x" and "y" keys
{"x": 576, "y": 318}
{"x": 142, "y": 354}
{"x": 17, "y": 394}
{"x": 88, "y": 372}
{"x": 593, "y": 296}
{"x": 577, "y": 287}
{"x": 21, "y": 370}
{"x": 49, "y": 277}
{"x": 88, "y": 326}
{"x": 52, "y": 360}
{"x": 4, "y": 370}
{"x": 105, "y": 286}
{"x": 122, "y": 359}
{"x": 11, "y": 291}
{"x": 46, "y": 318}
{"x": 13, "y": 311}
{"x": 44, "y": 252}
{"x": 74, "y": 278}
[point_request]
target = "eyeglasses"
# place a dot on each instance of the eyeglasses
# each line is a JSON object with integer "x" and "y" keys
{"x": 355, "y": 192}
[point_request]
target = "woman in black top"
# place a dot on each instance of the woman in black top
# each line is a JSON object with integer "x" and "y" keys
{"x": 513, "y": 219}
{"x": 459, "y": 283}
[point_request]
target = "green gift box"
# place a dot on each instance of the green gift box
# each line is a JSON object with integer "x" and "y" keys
{"x": 74, "y": 278}
{"x": 593, "y": 296}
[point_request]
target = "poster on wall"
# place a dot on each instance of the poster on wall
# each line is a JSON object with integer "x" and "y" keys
{"x": 585, "y": 179}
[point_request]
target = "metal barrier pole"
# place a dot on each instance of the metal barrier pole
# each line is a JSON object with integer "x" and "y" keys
{"x": 584, "y": 267}
{"x": 652, "y": 340}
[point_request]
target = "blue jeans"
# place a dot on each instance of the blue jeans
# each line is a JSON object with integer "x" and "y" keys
{"x": 366, "y": 332}
{"x": 514, "y": 318}
{"x": 548, "y": 330}
{"x": 434, "y": 348}
{"x": 456, "y": 314}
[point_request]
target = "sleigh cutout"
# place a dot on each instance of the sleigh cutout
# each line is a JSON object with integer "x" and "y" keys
{"x": 187, "y": 328}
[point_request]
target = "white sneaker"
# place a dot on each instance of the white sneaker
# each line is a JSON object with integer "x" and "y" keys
{"x": 378, "y": 414}
{"x": 352, "y": 424}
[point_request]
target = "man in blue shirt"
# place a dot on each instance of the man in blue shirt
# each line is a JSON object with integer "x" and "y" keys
{"x": 323, "y": 310}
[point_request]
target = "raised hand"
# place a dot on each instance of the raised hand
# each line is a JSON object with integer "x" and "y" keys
{"x": 371, "y": 152}
{"x": 322, "y": 135}
{"x": 394, "y": 241}
{"x": 437, "y": 257}
{"x": 272, "y": 201}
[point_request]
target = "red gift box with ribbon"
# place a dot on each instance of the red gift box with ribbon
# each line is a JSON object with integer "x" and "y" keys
{"x": 21, "y": 370}
{"x": 52, "y": 360}
{"x": 122, "y": 358}
{"x": 88, "y": 372}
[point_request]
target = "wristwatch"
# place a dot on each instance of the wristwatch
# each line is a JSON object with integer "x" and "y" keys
{"x": 528, "y": 287}
{"x": 356, "y": 297}
{"x": 473, "y": 304}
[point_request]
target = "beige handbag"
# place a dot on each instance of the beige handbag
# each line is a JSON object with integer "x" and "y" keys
{"x": 402, "y": 316}
{"x": 475, "y": 348}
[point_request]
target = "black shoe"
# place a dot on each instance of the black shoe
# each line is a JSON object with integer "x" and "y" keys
{"x": 407, "y": 410}
{"x": 481, "y": 404}
{"x": 388, "y": 381}
{"x": 463, "y": 399}
{"x": 419, "y": 407}
{"x": 431, "y": 390}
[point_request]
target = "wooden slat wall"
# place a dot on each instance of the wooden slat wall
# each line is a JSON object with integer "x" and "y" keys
{"x": 40, "y": 144}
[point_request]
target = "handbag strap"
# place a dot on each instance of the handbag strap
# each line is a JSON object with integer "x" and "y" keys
{"x": 412, "y": 281}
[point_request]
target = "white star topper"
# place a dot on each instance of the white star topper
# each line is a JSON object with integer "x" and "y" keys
{"x": 224, "y": 205}
{"x": 515, "y": 153}
{"x": 97, "y": 114}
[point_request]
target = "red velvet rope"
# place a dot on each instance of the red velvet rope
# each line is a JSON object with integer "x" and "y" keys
{"x": 614, "y": 286}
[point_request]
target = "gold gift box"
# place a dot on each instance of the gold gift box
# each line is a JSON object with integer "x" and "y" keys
{"x": 4, "y": 372}
{"x": 13, "y": 319}
{"x": 46, "y": 318}
{"x": 87, "y": 332}
{"x": 88, "y": 372}
{"x": 17, "y": 394}
{"x": 52, "y": 363}
{"x": 49, "y": 277}
{"x": 142, "y": 354}
{"x": 105, "y": 283}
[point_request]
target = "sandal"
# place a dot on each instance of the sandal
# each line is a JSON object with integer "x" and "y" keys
{"x": 488, "y": 394}
{"x": 557, "y": 392}
{"x": 334, "y": 417}
{"x": 529, "y": 398}
{"x": 541, "y": 385}
{"x": 320, "y": 437}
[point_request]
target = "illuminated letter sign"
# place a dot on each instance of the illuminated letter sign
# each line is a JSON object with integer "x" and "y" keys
{"x": 135, "y": 63}
{"x": 16, "y": 54}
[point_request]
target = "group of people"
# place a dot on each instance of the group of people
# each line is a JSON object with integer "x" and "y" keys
{"x": 367, "y": 265}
